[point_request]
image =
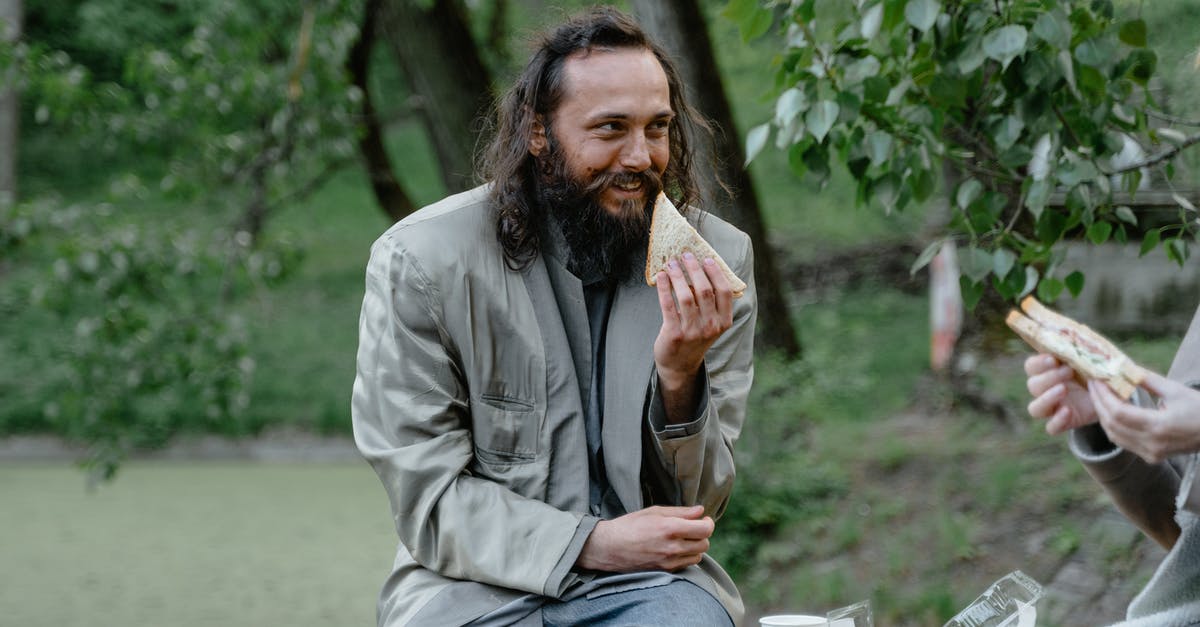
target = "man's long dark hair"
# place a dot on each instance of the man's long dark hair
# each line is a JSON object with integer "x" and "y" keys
{"x": 536, "y": 94}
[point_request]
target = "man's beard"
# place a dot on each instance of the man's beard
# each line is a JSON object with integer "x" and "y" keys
{"x": 599, "y": 243}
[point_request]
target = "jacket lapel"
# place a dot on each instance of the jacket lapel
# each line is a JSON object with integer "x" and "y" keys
{"x": 552, "y": 288}
{"x": 628, "y": 363}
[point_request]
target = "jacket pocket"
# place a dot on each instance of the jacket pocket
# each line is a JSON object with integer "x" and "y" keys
{"x": 505, "y": 430}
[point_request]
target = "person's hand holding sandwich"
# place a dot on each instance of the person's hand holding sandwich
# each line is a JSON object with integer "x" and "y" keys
{"x": 1071, "y": 388}
{"x": 695, "y": 292}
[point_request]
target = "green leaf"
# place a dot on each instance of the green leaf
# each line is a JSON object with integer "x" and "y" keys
{"x": 923, "y": 184}
{"x": 1125, "y": 214}
{"x": 1002, "y": 261}
{"x": 1150, "y": 241}
{"x": 1049, "y": 289}
{"x": 796, "y": 157}
{"x": 921, "y": 14}
{"x": 755, "y": 140}
{"x": 790, "y": 104}
{"x": 1009, "y": 131}
{"x": 1097, "y": 53}
{"x": 861, "y": 70}
{"x": 1031, "y": 280}
{"x": 972, "y": 56}
{"x": 1144, "y": 64}
{"x": 975, "y": 263}
{"x": 968, "y": 191}
{"x": 972, "y": 291}
{"x": 820, "y": 118}
{"x": 816, "y": 159}
{"x": 872, "y": 18}
{"x": 1068, "y": 69}
{"x": 886, "y": 189}
{"x": 1099, "y": 232}
{"x": 1050, "y": 226}
{"x": 1037, "y": 197}
{"x": 879, "y": 147}
{"x": 1071, "y": 174}
{"x": 740, "y": 10}
{"x": 1092, "y": 81}
{"x": 1177, "y": 250}
{"x": 1132, "y": 180}
{"x": 1004, "y": 44}
{"x": 926, "y": 256}
{"x": 1133, "y": 33}
{"x": 757, "y": 25}
{"x": 875, "y": 89}
{"x": 1054, "y": 28}
{"x": 1074, "y": 283}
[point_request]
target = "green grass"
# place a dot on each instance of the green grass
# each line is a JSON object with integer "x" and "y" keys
{"x": 194, "y": 544}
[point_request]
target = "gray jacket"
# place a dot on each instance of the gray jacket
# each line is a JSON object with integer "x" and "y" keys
{"x": 466, "y": 404}
{"x": 1163, "y": 500}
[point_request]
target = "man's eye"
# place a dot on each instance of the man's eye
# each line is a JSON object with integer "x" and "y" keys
{"x": 610, "y": 126}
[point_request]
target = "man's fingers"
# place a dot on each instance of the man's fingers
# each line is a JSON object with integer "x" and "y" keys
{"x": 666, "y": 302}
{"x": 1047, "y": 403}
{"x": 1038, "y": 384}
{"x": 1159, "y": 385}
{"x": 1060, "y": 421}
{"x": 1039, "y": 363}
{"x": 693, "y": 512}
{"x": 693, "y": 529}
{"x": 724, "y": 291}
{"x": 685, "y": 301}
{"x": 702, "y": 288}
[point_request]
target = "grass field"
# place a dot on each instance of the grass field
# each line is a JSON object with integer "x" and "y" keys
{"x": 193, "y": 545}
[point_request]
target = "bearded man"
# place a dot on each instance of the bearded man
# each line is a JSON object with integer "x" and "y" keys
{"x": 555, "y": 437}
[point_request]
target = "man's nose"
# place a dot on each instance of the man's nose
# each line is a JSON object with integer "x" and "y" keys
{"x": 636, "y": 153}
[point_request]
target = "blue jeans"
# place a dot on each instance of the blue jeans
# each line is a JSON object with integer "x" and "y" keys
{"x": 681, "y": 603}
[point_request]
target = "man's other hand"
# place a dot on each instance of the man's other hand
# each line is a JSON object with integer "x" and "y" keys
{"x": 655, "y": 538}
{"x": 1057, "y": 396}
{"x": 1153, "y": 434}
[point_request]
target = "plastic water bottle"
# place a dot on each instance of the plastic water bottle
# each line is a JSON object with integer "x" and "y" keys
{"x": 1010, "y": 602}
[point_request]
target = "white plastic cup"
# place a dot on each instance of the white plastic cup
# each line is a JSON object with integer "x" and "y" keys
{"x": 793, "y": 620}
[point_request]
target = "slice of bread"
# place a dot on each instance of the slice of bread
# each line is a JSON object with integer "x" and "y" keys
{"x": 1090, "y": 354}
{"x": 671, "y": 235}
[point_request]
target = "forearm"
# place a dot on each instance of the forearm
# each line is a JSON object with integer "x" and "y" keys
{"x": 680, "y": 394}
{"x": 1145, "y": 493}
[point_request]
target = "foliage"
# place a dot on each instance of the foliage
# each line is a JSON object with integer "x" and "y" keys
{"x": 249, "y": 109}
{"x": 150, "y": 348}
{"x": 1013, "y": 99}
{"x": 235, "y": 109}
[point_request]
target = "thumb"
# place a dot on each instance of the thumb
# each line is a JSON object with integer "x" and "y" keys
{"x": 690, "y": 512}
{"x": 1157, "y": 384}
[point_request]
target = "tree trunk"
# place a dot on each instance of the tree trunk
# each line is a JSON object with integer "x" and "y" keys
{"x": 441, "y": 62}
{"x": 388, "y": 192}
{"x": 680, "y": 26}
{"x": 10, "y": 31}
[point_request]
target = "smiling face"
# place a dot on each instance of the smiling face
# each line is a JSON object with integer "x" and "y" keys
{"x": 613, "y": 121}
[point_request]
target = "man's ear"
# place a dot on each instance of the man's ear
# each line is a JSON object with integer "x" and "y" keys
{"x": 537, "y": 137}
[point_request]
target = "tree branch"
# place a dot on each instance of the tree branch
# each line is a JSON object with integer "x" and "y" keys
{"x": 1157, "y": 159}
{"x": 1167, "y": 117}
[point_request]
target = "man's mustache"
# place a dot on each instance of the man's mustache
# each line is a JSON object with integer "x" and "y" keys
{"x": 651, "y": 181}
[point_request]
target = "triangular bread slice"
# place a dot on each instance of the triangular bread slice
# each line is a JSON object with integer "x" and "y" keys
{"x": 1090, "y": 354}
{"x": 671, "y": 235}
